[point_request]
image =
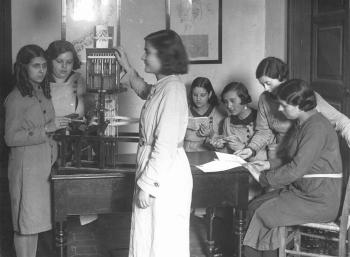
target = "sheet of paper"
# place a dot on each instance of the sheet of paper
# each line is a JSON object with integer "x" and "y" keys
{"x": 86, "y": 219}
{"x": 230, "y": 158}
{"x": 217, "y": 165}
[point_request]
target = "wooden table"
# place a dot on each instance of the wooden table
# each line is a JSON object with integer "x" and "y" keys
{"x": 89, "y": 191}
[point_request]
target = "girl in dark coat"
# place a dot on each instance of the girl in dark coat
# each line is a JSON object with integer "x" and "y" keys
{"x": 307, "y": 179}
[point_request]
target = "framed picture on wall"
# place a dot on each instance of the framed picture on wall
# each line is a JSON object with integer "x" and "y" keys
{"x": 199, "y": 23}
{"x": 91, "y": 23}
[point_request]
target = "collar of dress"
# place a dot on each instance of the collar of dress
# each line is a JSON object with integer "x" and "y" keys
{"x": 158, "y": 84}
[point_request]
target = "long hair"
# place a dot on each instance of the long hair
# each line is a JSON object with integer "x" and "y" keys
{"x": 24, "y": 56}
{"x": 240, "y": 89}
{"x": 206, "y": 84}
{"x": 171, "y": 51}
{"x": 59, "y": 47}
{"x": 272, "y": 67}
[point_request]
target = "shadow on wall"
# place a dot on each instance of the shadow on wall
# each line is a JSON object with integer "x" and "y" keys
{"x": 43, "y": 11}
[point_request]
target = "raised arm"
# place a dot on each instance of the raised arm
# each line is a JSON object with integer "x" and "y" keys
{"x": 131, "y": 77}
{"x": 338, "y": 120}
{"x": 133, "y": 80}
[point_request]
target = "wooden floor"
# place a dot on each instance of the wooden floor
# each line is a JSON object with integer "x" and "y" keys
{"x": 109, "y": 236}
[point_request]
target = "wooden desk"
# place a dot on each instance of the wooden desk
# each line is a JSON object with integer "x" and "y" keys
{"x": 90, "y": 191}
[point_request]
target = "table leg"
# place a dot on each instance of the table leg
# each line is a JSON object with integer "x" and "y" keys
{"x": 60, "y": 239}
{"x": 210, "y": 239}
{"x": 239, "y": 229}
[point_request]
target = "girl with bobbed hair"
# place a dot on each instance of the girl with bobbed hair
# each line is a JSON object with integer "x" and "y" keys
{"x": 29, "y": 122}
{"x": 307, "y": 180}
{"x": 271, "y": 73}
{"x": 162, "y": 165}
{"x": 203, "y": 102}
{"x": 239, "y": 125}
{"x": 66, "y": 84}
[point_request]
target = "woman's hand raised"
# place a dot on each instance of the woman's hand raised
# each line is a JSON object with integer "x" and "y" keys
{"x": 122, "y": 59}
{"x": 204, "y": 130}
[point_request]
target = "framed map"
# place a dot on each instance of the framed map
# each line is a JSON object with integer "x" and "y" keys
{"x": 199, "y": 23}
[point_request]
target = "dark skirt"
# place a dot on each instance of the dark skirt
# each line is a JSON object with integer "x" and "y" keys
{"x": 287, "y": 207}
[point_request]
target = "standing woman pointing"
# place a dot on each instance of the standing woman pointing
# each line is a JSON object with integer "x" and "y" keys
{"x": 162, "y": 198}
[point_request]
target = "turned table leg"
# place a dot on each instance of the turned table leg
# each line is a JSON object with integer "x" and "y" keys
{"x": 61, "y": 239}
{"x": 239, "y": 230}
{"x": 210, "y": 239}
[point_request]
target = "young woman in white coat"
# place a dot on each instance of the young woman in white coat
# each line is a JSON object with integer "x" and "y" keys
{"x": 161, "y": 207}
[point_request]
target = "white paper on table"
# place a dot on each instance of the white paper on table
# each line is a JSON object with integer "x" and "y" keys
{"x": 230, "y": 158}
{"x": 86, "y": 219}
{"x": 217, "y": 165}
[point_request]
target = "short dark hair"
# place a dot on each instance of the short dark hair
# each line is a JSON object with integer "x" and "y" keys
{"x": 23, "y": 58}
{"x": 59, "y": 47}
{"x": 241, "y": 91}
{"x": 298, "y": 93}
{"x": 171, "y": 51}
{"x": 272, "y": 67}
{"x": 206, "y": 84}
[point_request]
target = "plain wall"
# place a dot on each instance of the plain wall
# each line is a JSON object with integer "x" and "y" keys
{"x": 35, "y": 22}
{"x": 276, "y": 28}
{"x": 251, "y": 30}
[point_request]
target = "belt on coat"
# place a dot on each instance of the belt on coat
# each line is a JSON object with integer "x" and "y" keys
{"x": 329, "y": 175}
{"x": 143, "y": 142}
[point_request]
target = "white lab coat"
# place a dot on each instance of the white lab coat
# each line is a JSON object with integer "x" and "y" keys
{"x": 164, "y": 172}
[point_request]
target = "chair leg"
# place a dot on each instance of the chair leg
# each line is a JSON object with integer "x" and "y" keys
{"x": 348, "y": 240}
{"x": 342, "y": 242}
{"x": 283, "y": 236}
{"x": 297, "y": 240}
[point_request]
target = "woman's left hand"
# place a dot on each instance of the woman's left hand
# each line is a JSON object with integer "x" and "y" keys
{"x": 144, "y": 199}
{"x": 204, "y": 130}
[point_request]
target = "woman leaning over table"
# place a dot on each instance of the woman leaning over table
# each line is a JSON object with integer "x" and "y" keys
{"x": 271, "y": 73}
{"x": 30, "y": 118}
{"x": 162, "y": 199}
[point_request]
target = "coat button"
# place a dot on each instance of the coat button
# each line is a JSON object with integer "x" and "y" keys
{"x": 44, "y": 111}
{"x": 31, "y": 133}
{"x": 156, "y": 184}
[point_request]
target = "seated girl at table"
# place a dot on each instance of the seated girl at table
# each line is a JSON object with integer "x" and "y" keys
{"x": 239, "y": 125}
{"x": 307, "y": 179}
{"x": 204, "y": 117}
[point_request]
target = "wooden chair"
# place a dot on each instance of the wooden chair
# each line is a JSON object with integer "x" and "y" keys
{"x": 292, "y": 235}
